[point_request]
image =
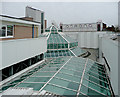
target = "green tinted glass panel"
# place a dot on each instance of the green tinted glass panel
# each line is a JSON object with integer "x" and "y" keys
{"x": 55, "y": 65}
{"x": 96, "y": 73}
{"x": 97, "y": 76}
{"x": 47, "y": 30}
{"x": 65, "y": 83}
{"x": 57, "y": 53}
{"x": 89, "y": 91}
{"x": 59, "y": 30}
{"x": 56, "y": 38}
{"x": 6, "y": 87}
{"x": 95, "y": 69}
{"x": 71, "y": 72}
{"x": 69, "y": 38}
{"x": 37, "y": 79}
{"x": 49, "y": 69}
{"x": 97, "y": 80}
{"x": 44, "y": 74}
{"x": 99, "y": 88}
{"x": 78, "y": 51}
{"x": 74, "y": 68}
{"x": 59, "y": 90}
{"x": 69, "y": 77}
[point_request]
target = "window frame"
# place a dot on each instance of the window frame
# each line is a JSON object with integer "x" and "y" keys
{"x": 7, "y": 36}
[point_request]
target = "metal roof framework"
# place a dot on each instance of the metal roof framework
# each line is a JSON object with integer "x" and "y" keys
{"x": 59, "y": 44}
{"x": 67, "y": 76}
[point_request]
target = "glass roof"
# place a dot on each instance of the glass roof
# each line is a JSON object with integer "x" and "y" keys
{"x": 68, "y": 38}
{"x": 56, "y": 38}
{"x": 66, "y": 76}
{"x": 77, "y": 51}
{"x": 52, "y": 28}
{"x": 58, "y": 53}
{"x": 59, "y": 44}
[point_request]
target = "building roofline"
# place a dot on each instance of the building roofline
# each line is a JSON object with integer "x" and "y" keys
{"x": 18, "y": 18}
{"x": 34, "y": 9}
{"x": 80, "y": 23}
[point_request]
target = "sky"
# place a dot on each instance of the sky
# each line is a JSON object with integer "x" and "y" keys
{"x": 67, "y": 12}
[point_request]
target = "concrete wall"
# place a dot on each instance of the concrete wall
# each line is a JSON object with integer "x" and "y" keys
{"x": 86, "y": 39}
{"x": 119, "y": 14}
{"x": 109, "y": 48}
{"x": 35, "y": 14}
{"x": 14, "y": 51}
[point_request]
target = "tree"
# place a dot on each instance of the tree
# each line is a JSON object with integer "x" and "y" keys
{"x": 117, "y": 29}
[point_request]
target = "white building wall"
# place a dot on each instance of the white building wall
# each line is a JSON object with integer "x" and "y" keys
{"x": 35, "y": 14}
{"x": 84, "y": 27}
{"x": 14, "y": 51}
{"x": 119, "y": 14}
{"x": 86, "y": 39}
{"x": 109, "y": 48}
{"x": 16, "y": 21}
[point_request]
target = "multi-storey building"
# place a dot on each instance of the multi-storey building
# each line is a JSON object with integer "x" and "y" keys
{"x": 37, "y": 16}
{"x": 83, "y": 27}
{"x": 18, "y": 28}
{"x": 20, "y": 45}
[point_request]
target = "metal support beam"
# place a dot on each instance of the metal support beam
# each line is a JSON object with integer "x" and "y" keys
{"x": 29, "y": 63}
{"x": 11, "y": 71}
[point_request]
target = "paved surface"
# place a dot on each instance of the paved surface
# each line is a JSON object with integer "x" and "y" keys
{"x": 94, "y": 54}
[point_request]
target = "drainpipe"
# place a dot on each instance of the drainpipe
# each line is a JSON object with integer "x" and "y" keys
{"x": 32, "y": 31}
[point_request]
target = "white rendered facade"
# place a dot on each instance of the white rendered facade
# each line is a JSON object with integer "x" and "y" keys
{"x": 119, "y": 14}
{"x": 82, "y": 27}
{"x": 109, "y": 55}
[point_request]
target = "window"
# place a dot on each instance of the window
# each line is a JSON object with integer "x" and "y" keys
{"x": 90, "y": 25}
{"x": 71, "y": 25}
{"x": 3, "y": 31}
{"x": 9, "y": 30}
{"x": 80, "y": 25}
{"x": 6, "y": 31}
{"x": 67, "y": 26}
{"x": 75, "y": 25}
{"x": 85, "y": 25}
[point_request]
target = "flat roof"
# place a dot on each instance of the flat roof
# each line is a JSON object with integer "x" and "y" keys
{"x": 34, "y": 9}
{"x": 26, "y": 21}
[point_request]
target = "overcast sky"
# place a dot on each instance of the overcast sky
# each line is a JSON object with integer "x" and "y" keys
{"x": 68, "y": 12}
